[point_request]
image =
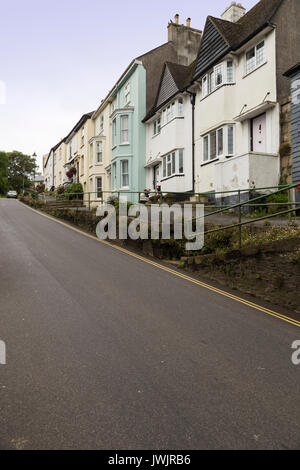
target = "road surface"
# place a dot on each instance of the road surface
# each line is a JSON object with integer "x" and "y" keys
{"x": 105, "y": 351}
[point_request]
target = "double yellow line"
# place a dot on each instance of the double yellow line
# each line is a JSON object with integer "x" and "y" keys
{"x": 175, "y": 273}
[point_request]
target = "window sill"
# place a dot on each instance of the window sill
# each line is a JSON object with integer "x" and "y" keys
{"x": 172, "y": 176}
{"x": 155, "y": 135}
{"x": 216, "y": 89}
{"x": 254, "y": 70}
{"x": 123, "y": 144}
{"x": 210, "y": 161}
{"x": 99, "y": 164}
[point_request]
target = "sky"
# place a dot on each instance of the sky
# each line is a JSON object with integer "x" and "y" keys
{"x": 59, "y": 58}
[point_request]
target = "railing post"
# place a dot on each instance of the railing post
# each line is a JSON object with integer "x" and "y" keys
{"x": 289, "y": 206}
{"x": 240, "y": 220}
{"x": 89, "y": 201}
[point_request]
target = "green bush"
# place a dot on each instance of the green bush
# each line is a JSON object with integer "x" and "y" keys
{"x": 280, "y": 199}
{"x": 74, "y": 191}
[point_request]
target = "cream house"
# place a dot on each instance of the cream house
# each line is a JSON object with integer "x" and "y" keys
{"x": 59, "y": 161}
{"x": 77, "y": 151}
{"x": 99, "y": 172}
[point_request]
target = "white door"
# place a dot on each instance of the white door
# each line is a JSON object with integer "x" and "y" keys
{"x": 259, "y": 134}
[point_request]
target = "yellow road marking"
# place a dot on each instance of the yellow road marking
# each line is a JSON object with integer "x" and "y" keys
{"x": 172, "y": 271}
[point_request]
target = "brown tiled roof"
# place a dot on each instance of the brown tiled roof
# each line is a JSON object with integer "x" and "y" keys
{"x": 234, "y": 35}
{"x": 182, "y": 76}
{"x": 255, "y": 19}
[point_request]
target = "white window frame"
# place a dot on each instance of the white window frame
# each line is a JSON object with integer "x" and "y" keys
{"x": 127, "y": 94}
{"x": 82, "y": 135}
{"x": 126, "y": 174}
{"x": 124, "y": 130}
{"x": 209, "y": 84}
{"x": 99, "y": 152}
{"x": 171, "y": 164}
{"x": 156, "y": 126}
{"x": 114, "y": 132}
{"x": 97, "y": 188}
{"x": 256, "y": 64}
{"x": 114, "y": 176}
{"x": 225, "y": 144}
{"x": 91, "y": 153}
{"x": 101, "y": 127}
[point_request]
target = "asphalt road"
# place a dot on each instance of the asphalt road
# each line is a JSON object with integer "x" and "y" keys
{"x": 105, "y": 351}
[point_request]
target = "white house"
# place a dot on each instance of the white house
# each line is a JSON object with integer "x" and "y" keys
{"x": 237, "y": 116}
{"x": 169, "y": 131}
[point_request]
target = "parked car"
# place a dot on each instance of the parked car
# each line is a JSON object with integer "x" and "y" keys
{"x": 12, "y": 194}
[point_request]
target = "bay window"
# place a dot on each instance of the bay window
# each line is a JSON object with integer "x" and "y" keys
{"x": 255, "y": 57}
{"x": 221, "y": 74}
{"x": 218, "y": 143}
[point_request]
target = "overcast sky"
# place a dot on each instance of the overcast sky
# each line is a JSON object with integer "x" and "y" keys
{"x": 59, "y": 58}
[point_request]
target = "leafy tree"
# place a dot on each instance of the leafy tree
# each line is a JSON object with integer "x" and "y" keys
{"x": 4, "y": 185}
{"x": 20, "y": 166}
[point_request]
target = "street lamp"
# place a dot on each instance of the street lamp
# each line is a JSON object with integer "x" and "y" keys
{"x": 34, "y": 157}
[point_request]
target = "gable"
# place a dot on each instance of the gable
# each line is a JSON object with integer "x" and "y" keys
{"x": 168, "y": 87}
{"x": 212, "y": 48}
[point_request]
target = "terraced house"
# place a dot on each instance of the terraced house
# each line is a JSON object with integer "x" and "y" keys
{"x": 129, "y": 101}
{"x": 239, "y": 85}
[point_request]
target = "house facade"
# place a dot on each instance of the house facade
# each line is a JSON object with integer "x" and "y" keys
{"x": 129, "y": 101}
{"x": 100, "y": 154}
{"x": 77, "y": 151}
{"x": 59, "y": 161}
{"x": 237, "y": 118}
{"x": 294, "y": 75}
{"x": 169, "y": 131}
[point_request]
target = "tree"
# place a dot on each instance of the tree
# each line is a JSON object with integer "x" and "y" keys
{"x": 4, "y": 185}
{"x": 20, "y": 167}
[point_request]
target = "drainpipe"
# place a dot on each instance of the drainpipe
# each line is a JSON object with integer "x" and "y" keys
{"x": 193, "y": 102}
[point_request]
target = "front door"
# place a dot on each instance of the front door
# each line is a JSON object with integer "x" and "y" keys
{"x": 259, "y": 134}
{"x": 155, "y": 176}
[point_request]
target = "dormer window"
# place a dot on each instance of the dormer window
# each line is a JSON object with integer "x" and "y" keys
{"x": 255, "y": 57}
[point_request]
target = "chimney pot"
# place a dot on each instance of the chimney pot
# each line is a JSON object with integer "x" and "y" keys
{"x": 188, "y": 22}
{"x": 177, "y": 19}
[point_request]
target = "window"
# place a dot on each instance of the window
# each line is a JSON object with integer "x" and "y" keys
{"x": 173, "y": 164}
{"x": 124, "y": 130}
{"x": 101, "y": 123}
{"x": 82, "y": 165}
{"x": 230, "y": 131}
{"x": 99, "y": 188}
{"x": 127, "y": 93}
{"x": 218, "y": 75}
{"x": 156, "y": 127}
{"x": 124, "y": 174}
{"x": 181, "y": 161}
{"x": 99, "y": 152}
{"x": 229, "y": 71}
{"x": 255, "y": 57}
{"x": 204, "y": 86}
{"x": 82, "y": 136}
{"x": 114, "y": 132}
{"x": 91, "y": 153}
{"x": 114, "y": 176}
{"x": 218, "y": 143}
{"x": 221, "y": 74}
{"x": 180, "y": 106}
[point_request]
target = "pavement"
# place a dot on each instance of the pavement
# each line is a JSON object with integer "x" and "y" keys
{"x": 107, "y": 351}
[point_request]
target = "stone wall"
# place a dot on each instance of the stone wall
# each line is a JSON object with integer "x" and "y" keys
{"x": 286, "y": 156}
{"x": 270, "y": 272}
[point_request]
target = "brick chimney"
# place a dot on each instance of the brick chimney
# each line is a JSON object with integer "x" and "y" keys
{"x": 234, "y": 12}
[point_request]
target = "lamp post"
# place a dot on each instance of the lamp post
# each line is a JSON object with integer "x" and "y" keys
{"x": 34, "y": 157}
